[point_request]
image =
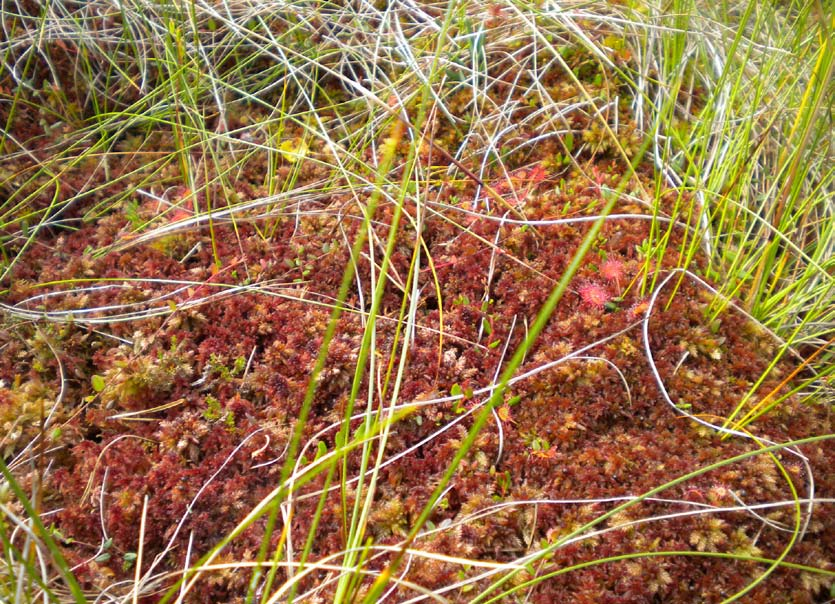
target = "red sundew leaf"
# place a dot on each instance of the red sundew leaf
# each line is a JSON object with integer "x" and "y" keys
{"x": 537, "y": 174}
{"x": 594, "y": 294}
{"x": 612, "y": 270}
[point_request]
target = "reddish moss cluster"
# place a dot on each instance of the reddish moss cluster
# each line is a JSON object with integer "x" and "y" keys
{"x": 193, "y": 407}
{"x": 574, "y": 431}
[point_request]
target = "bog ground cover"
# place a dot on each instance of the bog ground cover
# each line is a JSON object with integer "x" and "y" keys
{"x": 462, "y": 301}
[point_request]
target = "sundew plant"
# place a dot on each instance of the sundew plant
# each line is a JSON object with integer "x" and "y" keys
{"x": 404, "y": 301}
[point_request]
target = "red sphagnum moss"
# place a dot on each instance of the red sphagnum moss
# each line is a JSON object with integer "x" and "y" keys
{"x": 197, "y": 403}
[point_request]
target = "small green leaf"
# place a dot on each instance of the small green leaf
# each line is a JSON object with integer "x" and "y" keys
{"x": 103, "y": 557}
{"x": 98, "y": 383}
{"x": 127, "y": 561}
{"x": 531, "y": 570}
{"x": 59, "y": 535}
{"x": 455, "y": 390}
{"x": 454, "y": 75}
{"x": 569, "y": 141}
{"x": 488, "y": 328}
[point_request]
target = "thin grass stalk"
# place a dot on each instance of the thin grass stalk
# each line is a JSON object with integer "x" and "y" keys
{"x": 42, "y": 533}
